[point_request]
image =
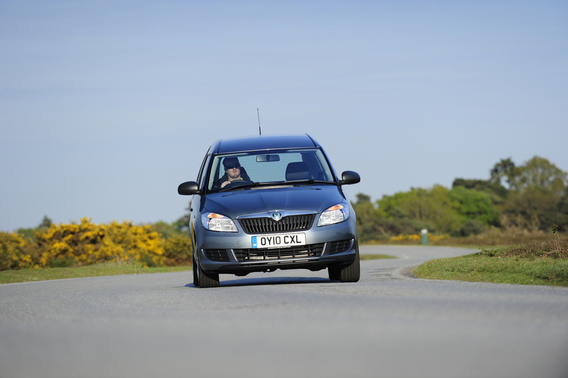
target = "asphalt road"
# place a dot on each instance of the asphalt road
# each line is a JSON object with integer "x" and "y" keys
{"x": 285, "y": 324}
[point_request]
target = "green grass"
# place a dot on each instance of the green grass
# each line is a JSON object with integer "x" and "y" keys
{"x": 479, "y": 268}
{"x": 106, "y": 269}
{"x": 376, "y": 257}
{"x": 531, "y": 263}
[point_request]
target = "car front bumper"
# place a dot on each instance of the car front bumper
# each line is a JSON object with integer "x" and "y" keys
{"x": 233, "y": 253}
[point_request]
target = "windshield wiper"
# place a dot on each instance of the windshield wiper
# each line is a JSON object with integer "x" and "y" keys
{"x": 273, "y": 184}
{"x": 310, "y": 181}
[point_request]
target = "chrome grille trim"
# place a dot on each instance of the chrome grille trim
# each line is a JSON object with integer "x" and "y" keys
{"x": 291, "y": 223}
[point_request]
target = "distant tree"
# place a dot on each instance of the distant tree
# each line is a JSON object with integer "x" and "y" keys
{"x": 541, "y": 173}
{"x": 429, "y": 206}
{"x": 495, "y": 190}
{"x": 369, "y": 225}
{"x": 505, "y": 168}
{"x": 556, "y": 217}
{"x": 182, "y": 223}
{"x": 363, "y": 198}
{"x": 473, "y": 227}
{"x": 538, "y": 190}
{"x": 29, "y": 233}
{"x": 530, "y": 207}
{"x": 364, "y": 209}
{"x": 559, "y": 218}
{"x": 407, "y": 226}
{"x": 46, "y": 222}
{"x": 475, "y": 204}
{"x": 165, "y": 229}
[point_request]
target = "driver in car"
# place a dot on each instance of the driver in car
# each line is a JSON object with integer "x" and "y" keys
{"x": 233, "y": 172}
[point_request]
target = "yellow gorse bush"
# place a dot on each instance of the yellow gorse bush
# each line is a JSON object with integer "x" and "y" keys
{"x": 418, "y": 238}
{"x": 87, "y": 243}
{"x": 13, "y": 253}
{"x": 177, "y": 249}
{"x": 402, "y": 237}
{"x": 437, "y": 238}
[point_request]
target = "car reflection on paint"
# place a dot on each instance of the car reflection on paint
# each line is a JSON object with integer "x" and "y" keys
{"x": 270, "y": 202}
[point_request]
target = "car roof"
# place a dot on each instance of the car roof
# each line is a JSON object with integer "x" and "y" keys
{"x": 268, "y": 142}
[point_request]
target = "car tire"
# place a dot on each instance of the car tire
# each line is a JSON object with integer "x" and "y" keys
{"x": 333, "y": 273}
{"x": 195, "y": 276}
{"x": 203, "y": 279}
{"x": 352, "y": 272}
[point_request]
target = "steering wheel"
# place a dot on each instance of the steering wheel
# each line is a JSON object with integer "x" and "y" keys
{"x": 234, "y": 184}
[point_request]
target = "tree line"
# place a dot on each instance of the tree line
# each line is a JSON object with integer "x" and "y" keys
{"x": 532, "y": 197}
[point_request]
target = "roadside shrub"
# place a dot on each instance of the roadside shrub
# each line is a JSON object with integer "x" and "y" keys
{"x": 87, "y": 243}
{"x": 68, "y": 244}
{"x": 417, "y": 238}
{"x": 473, "y": 227}
{"x": 13, "y": 254}
{"x": 127, "y": 242}
{"x": 554, "y": 247}
{"x": 177, "y": 250}
{"x": 406, "y": 238}
{"x": 407, "y": 226}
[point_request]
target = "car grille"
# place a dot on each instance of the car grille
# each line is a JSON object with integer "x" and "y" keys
{"x": 339, "y": 246}
{"x": 269, "y": 225}
{"x": 216, "y": 254}
{"x": 253, "y": 254}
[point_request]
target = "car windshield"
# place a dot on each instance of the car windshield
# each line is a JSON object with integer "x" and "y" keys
{"x": 268, "y": 168}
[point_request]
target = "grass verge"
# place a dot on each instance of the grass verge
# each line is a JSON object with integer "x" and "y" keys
{"x": 376, "y": 257}
{"x": 531, "y": 263}
{"x": 105, "y": 269}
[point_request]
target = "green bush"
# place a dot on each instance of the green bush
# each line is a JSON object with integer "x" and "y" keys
{"x": 473, "y": 227}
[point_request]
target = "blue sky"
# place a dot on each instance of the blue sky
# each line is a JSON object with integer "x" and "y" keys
{"x": 106, "y": 106}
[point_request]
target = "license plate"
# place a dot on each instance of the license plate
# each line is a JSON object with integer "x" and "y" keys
{"x": 278, "y": 241}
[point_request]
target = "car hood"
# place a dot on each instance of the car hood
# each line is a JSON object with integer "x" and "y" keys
{"x": 313, "y": 198}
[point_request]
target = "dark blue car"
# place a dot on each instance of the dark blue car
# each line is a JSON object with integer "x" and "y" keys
{"x": 270, "y": 202}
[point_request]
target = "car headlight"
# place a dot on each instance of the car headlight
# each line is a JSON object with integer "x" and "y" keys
{"x": 333, "y": 215}
{"x": 218, "y": 222}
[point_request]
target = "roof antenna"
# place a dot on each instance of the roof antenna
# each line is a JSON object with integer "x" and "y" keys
{"x": 258, "y": 115}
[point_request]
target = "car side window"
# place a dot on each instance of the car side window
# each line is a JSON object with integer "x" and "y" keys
{"x": 201, "y": 170}
{"x": 215, "y": 173}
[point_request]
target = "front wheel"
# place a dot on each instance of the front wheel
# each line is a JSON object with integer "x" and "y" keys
{"x": 333, "y": 273}
{"x": 195, "y": 275}
{"x": 202, "y": 279}
{"x": 349, "y": 273}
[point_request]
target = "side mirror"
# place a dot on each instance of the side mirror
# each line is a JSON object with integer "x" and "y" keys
{"x": 188, "y": 188}
{"x": 349, "y": 177}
